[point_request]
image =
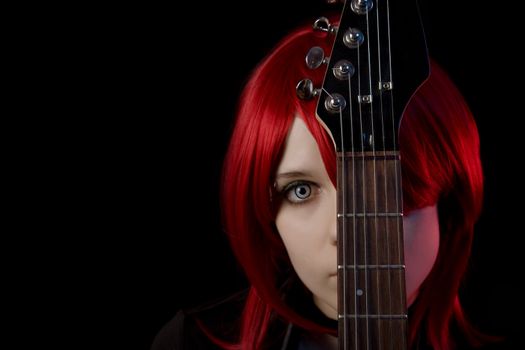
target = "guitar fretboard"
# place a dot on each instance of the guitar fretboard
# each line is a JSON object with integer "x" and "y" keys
{"x": 371, "y": 270}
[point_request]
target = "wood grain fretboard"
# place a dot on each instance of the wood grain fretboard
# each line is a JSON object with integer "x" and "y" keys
{"x": 371, "y": 270}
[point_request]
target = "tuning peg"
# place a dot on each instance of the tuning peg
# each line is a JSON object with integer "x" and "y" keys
{"x": 361, "y": 7}
{"x": 322, "y": 24}
{"x": 353, "y": 38}
{"x": 343, "y": 70}
{"x": 315, "y": 57}
{"x": 305, "y": 90}
{"x": 334, "y": 103}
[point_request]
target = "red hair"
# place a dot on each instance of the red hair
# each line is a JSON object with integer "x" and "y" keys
{"x": 440, "y": 163}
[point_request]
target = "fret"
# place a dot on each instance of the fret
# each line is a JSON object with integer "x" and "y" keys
{"x": 371, "y": 267}
{"x": 382, "y": 317}
{"x": 369, "y": 215}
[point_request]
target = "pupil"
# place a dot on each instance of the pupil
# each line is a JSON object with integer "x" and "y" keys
{"x": 302, "y": 191}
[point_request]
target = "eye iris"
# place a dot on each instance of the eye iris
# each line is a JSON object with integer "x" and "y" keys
{"x": 302, "y": 191}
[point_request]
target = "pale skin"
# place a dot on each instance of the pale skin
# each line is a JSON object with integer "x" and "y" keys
{"x": 307, "y": 223}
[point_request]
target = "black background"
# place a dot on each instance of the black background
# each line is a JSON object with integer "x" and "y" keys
{"x": 173, "y": 75}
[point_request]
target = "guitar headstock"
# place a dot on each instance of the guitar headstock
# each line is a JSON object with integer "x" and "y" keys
{"x": 379, "y": 59}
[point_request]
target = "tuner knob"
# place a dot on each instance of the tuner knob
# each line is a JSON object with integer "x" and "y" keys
{"x": 361, "y": 7}
{"x": 343, "y": 69}
{"x": 322, "y": 24}
{"x": 305, "y": 90}
{"x": 353, "y": 38}
{"x": 334, "y": 103}
{"x": 315, "y": 57}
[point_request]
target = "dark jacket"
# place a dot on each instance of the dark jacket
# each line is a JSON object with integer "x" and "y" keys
{"x": 221, "y": 318}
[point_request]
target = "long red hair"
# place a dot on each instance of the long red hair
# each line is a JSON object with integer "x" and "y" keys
{"x": 440, "y": 162}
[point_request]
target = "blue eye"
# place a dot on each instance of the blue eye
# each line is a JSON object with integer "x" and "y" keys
{"x": 298, "y": 192}
{"x": 302, "y": 191}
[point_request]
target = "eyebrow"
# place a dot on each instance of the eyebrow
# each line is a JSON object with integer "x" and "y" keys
{"x": 292, "y": 174}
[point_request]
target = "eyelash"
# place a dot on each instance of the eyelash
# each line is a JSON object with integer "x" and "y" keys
{"x": 286, "y": 191}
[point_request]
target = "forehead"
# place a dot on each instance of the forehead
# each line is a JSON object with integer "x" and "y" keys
{"x": 301, "y": 151}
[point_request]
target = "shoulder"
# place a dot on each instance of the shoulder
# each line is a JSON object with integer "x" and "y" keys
{"x": 218, "y": 316}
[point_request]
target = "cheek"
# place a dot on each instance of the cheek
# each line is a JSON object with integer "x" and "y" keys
{"x": 303, "y": 231}
{"x": 297, "y": 233}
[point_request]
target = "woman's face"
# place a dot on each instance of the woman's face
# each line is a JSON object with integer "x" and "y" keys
{"x": 307, "y": 223}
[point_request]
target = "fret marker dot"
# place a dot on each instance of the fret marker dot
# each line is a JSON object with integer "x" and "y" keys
{"x": 359, "y": 292}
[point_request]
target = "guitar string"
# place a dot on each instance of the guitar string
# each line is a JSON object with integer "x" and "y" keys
{"x": 354, "y": 223}
{"x": 344, "y": 241}
{"x": 367, "y": 241}
{"x": 363, "y": 189}
{"x": 389, "y": 78}
{"x": 354, "y": 228}
{"x": 386, "y": 191}
{"x": 344, "y": 238}
{"x": 374, "y": 178}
